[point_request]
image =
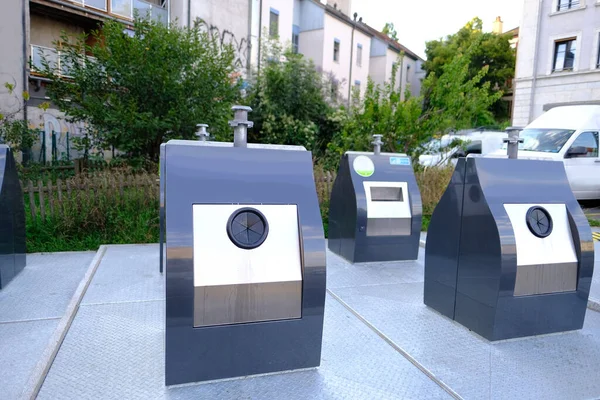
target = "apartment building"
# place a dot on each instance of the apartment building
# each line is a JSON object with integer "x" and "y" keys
{"x": 388, "y": 56}
{"x": 558, "y": 57}
{"x": 29, "y": 30}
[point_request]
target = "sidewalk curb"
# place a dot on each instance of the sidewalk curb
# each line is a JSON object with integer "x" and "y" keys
{"x": 37, "y": 377}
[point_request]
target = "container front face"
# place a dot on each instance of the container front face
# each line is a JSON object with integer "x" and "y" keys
{"x": 388, "y": 204}
{"x": 236, "y": 305}
{"x": 247, "y": 265}
{"x": 388, "y": 208}
{"x": 546, "y": 257}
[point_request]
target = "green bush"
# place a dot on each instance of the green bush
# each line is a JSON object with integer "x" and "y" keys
{"x": 89, "y": 218}
{"x": 106, "y": 214}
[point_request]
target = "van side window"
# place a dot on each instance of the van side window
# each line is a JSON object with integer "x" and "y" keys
{"x": 588, "y": 140}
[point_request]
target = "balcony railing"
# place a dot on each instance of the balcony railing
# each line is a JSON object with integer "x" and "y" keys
{"x": 128, "y": 8}
{"x": 54, "y": 58}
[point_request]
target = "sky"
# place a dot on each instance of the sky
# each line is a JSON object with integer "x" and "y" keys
{"x": 418, "y": 21}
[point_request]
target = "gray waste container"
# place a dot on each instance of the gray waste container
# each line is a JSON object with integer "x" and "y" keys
{"x": 12, "y": 219}
{"x": 375, "y": 208}
{"x": 509, "y": 251}
{"x": 245, "y": 259}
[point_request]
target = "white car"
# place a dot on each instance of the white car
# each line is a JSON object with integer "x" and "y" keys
{"x": 446, "y": 150}
{"x": 569, "y": 134}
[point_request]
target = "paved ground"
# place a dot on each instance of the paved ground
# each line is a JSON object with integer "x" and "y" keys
{"x": 591, "y": 209}
{"x": 31, "y": 306}
{"x": 379, "y": 340}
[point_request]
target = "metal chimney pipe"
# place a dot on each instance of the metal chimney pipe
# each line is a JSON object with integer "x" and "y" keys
{"x": 513, "y": 141}
{"x": 377, "y": 144}
{"x": 240, "y": 125}
{"x": 201, "y": 132}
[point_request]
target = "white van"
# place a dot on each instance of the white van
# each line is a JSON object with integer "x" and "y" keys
{"x": 568, "y": 134}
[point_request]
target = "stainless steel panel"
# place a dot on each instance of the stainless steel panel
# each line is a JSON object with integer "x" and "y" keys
{"x": 238, "y": 285}
{"x": 234, "y": 304}
{"x": 389, "y": 226}
{"x": 546, "y": 278}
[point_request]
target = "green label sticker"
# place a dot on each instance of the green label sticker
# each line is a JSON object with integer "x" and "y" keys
{"x": 363, "y": 166}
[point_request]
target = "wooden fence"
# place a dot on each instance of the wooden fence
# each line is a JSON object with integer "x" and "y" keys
{"x": 48, "y": 199}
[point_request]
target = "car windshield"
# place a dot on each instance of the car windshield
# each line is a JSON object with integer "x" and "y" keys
{"x": 543, "y": 140}
{"x": 437, "y": 145}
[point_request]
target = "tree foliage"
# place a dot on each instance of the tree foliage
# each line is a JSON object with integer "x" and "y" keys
{"x": 456, "y": 101}
{"x": 14, "y": 130}
{"x": 138, "y": 91}
{"x": 289, "y": 99}
{"x": 486, "y": 50}
{"x": 390, "y": 31}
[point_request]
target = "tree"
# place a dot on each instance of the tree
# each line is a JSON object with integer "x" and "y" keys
{"x": 14, "y": 130}
{"x": 492, "y": 51}
{"x": 456, "y": 101}
{"x": 288, "y": 99}
{"x": 137, "y": 91}
{"x": 390, "y": 31}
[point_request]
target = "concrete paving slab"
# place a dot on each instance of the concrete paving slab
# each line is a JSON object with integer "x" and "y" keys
{"x": 549, "y": 367}
{"x": 31, "y": 307}
{"x": 43, "y": 289}
{"x": 340, "y": 273}
{"x": 116, "y": 351}
{"x": 127, "y": 273}
{"x": 21, "y": 344}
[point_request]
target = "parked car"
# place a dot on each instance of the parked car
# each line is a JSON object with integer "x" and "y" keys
{"x": 569, "y": 134}
{"x": 449, "y": 148}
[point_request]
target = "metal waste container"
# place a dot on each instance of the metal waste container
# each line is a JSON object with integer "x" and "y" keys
{"x": 509, "y": 251}
{"x": 12, "y": 219}
{"x": 375, "y": 208}
{"x": 245, "y": 258}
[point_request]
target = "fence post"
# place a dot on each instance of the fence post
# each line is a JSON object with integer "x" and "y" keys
{"x": 59, "y": 190}
{"x": 51, "y": 198}
{"x": 68, "y": 148}
{"x": 42, "y": 200}
{"x": 31, "y": 200}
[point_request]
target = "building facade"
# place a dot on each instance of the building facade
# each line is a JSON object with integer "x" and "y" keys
{"x": 558, "y": 57}
{"x": 30, "y": 29}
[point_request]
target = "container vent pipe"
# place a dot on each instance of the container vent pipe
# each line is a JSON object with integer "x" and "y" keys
{"x": 513, "y": 141}
{"x": 240, "y": 125}
{"x": 377, "y": 144}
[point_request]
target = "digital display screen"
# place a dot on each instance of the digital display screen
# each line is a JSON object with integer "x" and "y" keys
{"x": 386, "y": 194}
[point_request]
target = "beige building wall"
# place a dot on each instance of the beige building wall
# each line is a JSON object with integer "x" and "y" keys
{"x": 377, "y": 69}
{"x": 336, "y": 29}
{"x": 44, "y": 31}
{"x": 361, "y": 72}
{"x": 537, "y": 86}
{"x": 286, "y": 18}
{"x": 311, "y": 46}
{"x": 12, "y": 60}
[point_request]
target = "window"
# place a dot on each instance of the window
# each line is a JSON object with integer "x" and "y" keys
{"x": 295, "y": 38}
{"x": 407, "y": 73}
{"x": 274, "y": 23}
{"x": 563, "y": 5}
{"x": 589, "y": 140}
{"x": 359, "y": 55}
{"x": 357, "y": 85}
{"x": 336, "y": 50}
{"x": 564, "y": 55}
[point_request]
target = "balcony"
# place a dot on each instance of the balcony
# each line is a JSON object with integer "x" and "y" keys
{"x": 126, "y": 9}
{"x": 54, "y": 59}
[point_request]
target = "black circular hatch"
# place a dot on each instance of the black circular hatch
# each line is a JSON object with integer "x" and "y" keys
{"x": 539, "y": 221}
{"x": 247, "y": 228}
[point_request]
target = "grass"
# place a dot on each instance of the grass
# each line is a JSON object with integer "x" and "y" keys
{"x": 594, "y": 223}
{"x": 86, "y": 220}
